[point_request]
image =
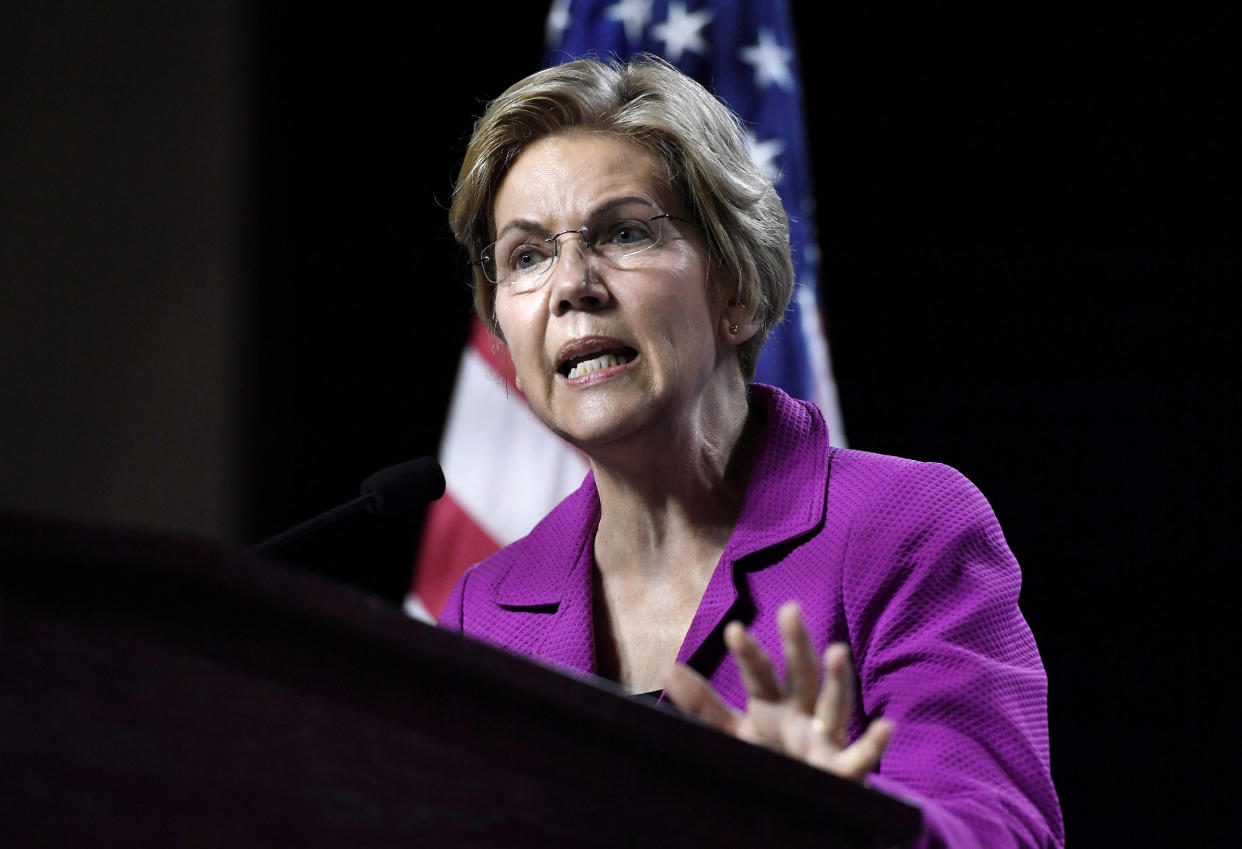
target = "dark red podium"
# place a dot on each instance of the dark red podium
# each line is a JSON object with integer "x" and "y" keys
{"x": 165, "y": 692}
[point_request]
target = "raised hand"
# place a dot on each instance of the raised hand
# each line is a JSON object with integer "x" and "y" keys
{"x": 801, "y": 718}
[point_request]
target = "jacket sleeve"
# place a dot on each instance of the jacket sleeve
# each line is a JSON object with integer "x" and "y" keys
{"x": 452, "y": 617}
{"x": 930, "y": 590}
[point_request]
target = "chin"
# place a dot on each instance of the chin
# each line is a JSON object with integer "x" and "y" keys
{"x": 591, "y": 435}
{"x": 604, "y": 425}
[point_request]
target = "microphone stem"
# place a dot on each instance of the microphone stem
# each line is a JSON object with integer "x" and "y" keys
{"x": 282, "y": 539}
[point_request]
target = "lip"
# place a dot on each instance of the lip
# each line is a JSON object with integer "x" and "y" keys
{"x": 595, "y": 376}
{"x": 586, "y": 345}
{"x": 580, "y": 347}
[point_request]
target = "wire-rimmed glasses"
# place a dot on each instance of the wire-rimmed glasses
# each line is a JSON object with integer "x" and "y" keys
{"x": 623, "y": 236}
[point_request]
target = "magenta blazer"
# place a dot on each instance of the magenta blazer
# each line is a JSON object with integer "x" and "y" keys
{"x": 905, "y": 561}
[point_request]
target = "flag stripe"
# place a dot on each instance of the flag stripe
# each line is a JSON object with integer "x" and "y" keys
{"x": 450, "y": 537}
{"x": 816, "y": 344}
{"x": 506, "y": 479}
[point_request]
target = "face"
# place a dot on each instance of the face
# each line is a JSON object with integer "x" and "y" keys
{"x": 653, "y": 331}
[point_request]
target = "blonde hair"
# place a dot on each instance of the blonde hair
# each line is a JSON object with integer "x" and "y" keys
{"x": 697, "y": 140}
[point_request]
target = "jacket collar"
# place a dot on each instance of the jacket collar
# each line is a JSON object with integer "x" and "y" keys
{"x": 557, "y": 550}
{"x": 785, "y": 498}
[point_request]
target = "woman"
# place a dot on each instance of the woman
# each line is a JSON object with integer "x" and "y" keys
{"x": 633, "y": 260}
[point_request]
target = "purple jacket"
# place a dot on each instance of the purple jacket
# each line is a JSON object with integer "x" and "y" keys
{"x": 903, "y": 560}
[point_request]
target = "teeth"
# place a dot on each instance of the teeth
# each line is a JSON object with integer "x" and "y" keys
{"x": 597, "y": 363}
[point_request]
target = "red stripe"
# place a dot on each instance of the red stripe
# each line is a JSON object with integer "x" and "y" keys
{"x": 451, "y": 543}
{"x": 494, "y": 353}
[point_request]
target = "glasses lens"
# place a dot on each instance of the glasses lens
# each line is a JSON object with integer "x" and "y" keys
{"x": 618, "y": 239}
{"x": 622, "y": 237}
{"x": 519, "y": 260}
{"x": 487, "y": 262}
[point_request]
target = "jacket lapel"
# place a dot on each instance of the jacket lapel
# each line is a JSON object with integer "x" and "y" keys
{"x": 784, "y": 499}
{"x": 551, "y": 574}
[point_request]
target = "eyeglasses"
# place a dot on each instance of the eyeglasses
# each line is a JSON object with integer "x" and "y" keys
{"x": 520, "y": 260}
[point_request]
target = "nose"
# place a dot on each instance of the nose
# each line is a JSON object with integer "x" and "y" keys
{"x": 575, "y": 283}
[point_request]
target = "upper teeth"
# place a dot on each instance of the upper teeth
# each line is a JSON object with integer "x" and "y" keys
{"x": 596, "y": 363}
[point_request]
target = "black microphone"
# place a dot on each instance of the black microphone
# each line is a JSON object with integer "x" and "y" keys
{"x": 389, "y": 492}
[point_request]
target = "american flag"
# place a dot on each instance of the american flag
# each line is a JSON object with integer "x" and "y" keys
{"x": 504, "y": 469}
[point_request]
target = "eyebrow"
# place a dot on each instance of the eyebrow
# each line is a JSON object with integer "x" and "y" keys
{"x": 607, "y": 206}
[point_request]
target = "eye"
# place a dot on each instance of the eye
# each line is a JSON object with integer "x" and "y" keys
{"x": 629, "y": 233}
{"x": 528, "y": 257}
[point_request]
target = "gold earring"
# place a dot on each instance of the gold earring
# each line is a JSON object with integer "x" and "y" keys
{"x": 733, "y": 329}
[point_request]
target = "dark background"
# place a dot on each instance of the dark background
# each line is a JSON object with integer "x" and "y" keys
{"x": 229, "y": 293}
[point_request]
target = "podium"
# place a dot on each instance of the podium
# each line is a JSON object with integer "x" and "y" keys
{"x": 160, "y": 691}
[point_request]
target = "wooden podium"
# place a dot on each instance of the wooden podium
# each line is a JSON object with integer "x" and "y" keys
{"x": 157, "y": 691}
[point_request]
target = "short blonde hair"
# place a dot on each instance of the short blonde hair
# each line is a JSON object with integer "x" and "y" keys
{"x": 698, "y": 141}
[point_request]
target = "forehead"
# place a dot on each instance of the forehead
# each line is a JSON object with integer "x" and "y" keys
{"x": 560, "y": 180}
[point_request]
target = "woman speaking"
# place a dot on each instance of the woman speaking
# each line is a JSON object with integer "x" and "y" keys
{"x": 853, "y": 610}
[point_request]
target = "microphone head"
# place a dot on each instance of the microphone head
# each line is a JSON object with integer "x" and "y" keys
{"x": 401, "y": 488}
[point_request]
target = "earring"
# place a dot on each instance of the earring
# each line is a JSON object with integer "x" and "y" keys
{"x": 733, "y": 329}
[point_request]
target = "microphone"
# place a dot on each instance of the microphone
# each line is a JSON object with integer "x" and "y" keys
{"x": 389, "y": 492}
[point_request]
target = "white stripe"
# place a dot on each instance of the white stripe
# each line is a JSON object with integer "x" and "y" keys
{"x": 814, "y": 339}
{"x": 415, "y": 609}
{"x": 502, "y": 466}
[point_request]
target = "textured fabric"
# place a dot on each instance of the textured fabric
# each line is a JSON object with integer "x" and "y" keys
{"x": 903, "y": 560}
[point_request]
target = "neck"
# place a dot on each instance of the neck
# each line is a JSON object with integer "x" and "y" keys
{"x": 671, "y": 498}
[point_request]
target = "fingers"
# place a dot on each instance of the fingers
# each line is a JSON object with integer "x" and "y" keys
{"x": 832, "y": 716}
{"x": 836, "y": 699}
{"x": 693, "y": 693}
{"x": 863, "y": 757}
{"x": 801, "y": 664}
{"x": 753, "y": 663}
{"x": 796, "y": 718}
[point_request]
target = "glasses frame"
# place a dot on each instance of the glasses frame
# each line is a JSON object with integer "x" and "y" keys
{"x": 555, "y": 240}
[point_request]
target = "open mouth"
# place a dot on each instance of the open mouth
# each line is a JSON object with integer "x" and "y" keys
{"x": 585, "y": 362}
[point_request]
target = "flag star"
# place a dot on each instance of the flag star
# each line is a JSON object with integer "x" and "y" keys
{"x": 682, "y": 31}
{"x": 764, "y": 154}
{"x": 558, "y": 22}
{"x": 634, "y": 14}
{"x": 771, "y": 61}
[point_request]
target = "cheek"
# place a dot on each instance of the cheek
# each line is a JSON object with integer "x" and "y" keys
{"x": 510, "y": 328}
{"x": 684, "y": 301}
{"x": 521, "y": 341}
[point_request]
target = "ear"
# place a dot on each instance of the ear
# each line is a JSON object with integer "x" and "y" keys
{"x": 736, "y": 325}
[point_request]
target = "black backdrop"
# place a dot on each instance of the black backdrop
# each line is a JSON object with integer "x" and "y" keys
{"x": 1028, "y": 230}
